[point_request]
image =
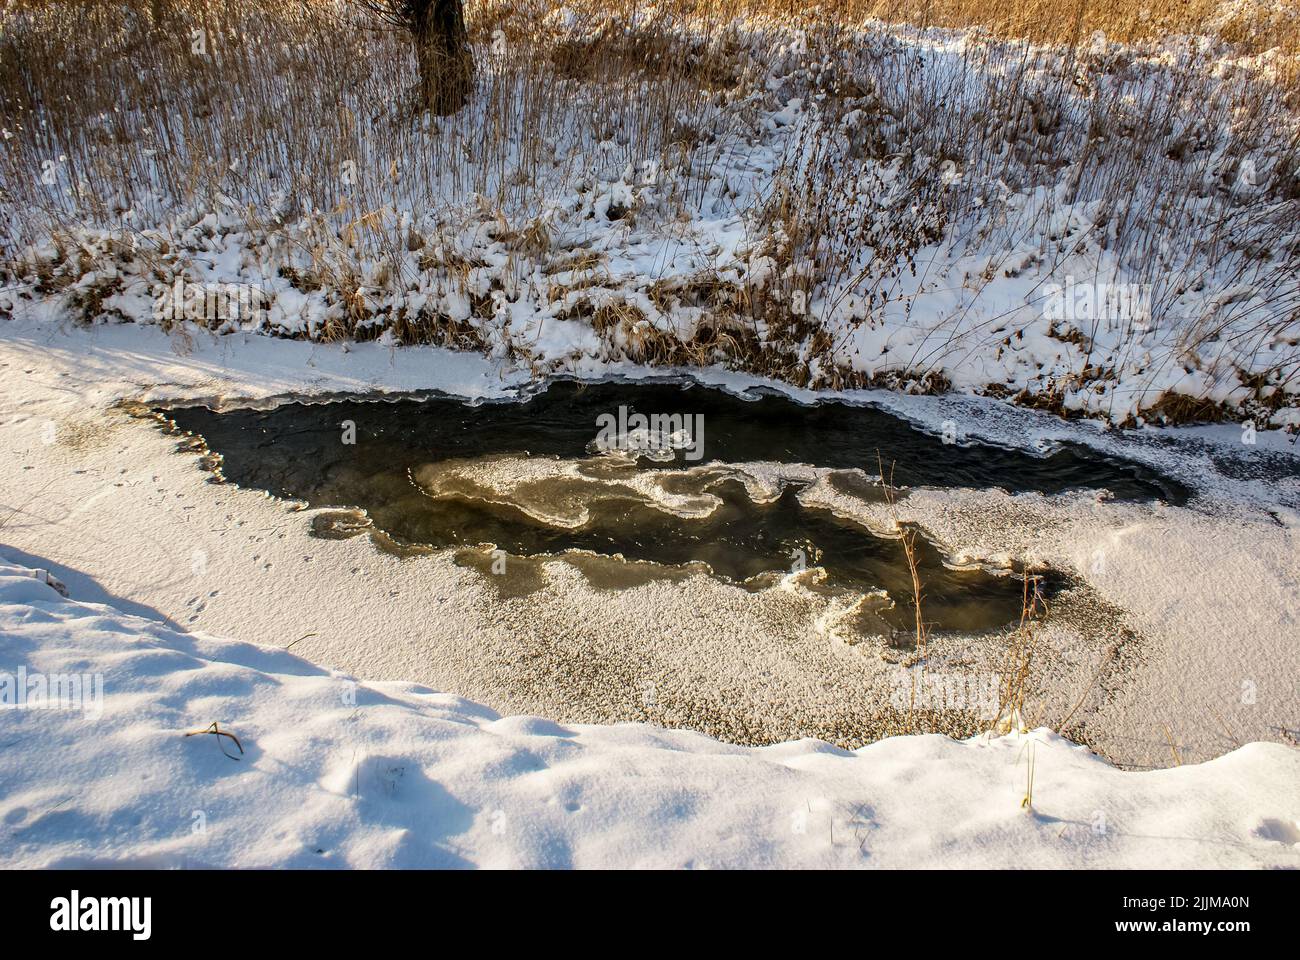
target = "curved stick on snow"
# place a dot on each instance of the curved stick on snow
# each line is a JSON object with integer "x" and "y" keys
{"x": 218, "y": 733}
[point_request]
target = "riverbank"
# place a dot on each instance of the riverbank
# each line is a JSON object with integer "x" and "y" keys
{"x": 833, "y": 202}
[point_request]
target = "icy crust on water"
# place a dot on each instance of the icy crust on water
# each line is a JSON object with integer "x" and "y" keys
{"x": 727, "y": 520}
{"x": 559, "y": 492}
{"x": 334, "y": 771}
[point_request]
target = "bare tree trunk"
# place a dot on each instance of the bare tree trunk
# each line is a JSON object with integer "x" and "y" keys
{"x": 444, "y": 55}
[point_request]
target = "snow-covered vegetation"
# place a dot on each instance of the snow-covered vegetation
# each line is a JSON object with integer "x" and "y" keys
{"x": 1093, "y": 211}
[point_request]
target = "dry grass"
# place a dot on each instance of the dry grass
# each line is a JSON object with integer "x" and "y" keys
{"x": 291, "y": 119}
{"x": 1017, "y": 670}
{"x": 907, "y": 536}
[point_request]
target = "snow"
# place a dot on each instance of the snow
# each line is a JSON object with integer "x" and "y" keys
{"x": 339, "y": 772}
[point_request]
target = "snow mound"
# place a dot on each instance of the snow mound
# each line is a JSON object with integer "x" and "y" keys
{"x": 331, "y": 771}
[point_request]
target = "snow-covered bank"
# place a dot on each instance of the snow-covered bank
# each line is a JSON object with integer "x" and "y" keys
{"x": 338, "y": 772}
{"x": 1104, "y": 231}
